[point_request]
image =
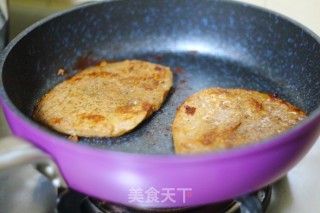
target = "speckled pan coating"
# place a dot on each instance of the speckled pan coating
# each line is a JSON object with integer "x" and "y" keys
{"x": 207, "y": 44}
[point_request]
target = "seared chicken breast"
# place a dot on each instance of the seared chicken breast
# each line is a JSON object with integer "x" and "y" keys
{"x": 216, "y": 119}
{"x": 107, "y": 100}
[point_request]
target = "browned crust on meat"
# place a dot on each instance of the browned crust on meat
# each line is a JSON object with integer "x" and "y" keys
{"x": 227, "y": 118}
{"x": 107, "y": 100}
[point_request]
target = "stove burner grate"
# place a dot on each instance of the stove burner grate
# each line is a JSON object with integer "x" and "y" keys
{"x": 74, "y": 202}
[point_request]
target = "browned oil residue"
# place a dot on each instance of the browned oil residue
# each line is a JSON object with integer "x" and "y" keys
{"x": 85, "y": 61}
{"x": 179, "y": 70}
{"x": 159, "y": 57}
{"x": 182, "y": 81}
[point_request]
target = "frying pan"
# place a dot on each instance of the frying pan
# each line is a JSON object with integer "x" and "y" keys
{"x": 207, "y": 44}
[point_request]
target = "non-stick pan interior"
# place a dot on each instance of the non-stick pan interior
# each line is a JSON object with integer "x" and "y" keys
{"x": 206, "y": 44}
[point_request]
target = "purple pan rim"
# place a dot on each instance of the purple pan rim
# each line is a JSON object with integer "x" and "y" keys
{"x": 256, "y": 148}
{"x": 240, "y": 151}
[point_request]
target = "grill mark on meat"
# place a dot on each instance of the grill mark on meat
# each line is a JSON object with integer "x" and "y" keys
{"x": 92, "y": 117}
{"x": 190, "y": 110}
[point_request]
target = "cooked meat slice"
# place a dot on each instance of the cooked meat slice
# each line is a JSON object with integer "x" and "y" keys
{"x": 106, "y": 100}
{"x": 217, "y": 119}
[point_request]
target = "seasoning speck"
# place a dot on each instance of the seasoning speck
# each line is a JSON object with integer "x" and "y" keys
{"x": 190, "y": 110}
{"x": 61, "y": 72}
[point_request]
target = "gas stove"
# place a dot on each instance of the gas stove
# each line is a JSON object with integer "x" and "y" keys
{"x": 80, "y": 203}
